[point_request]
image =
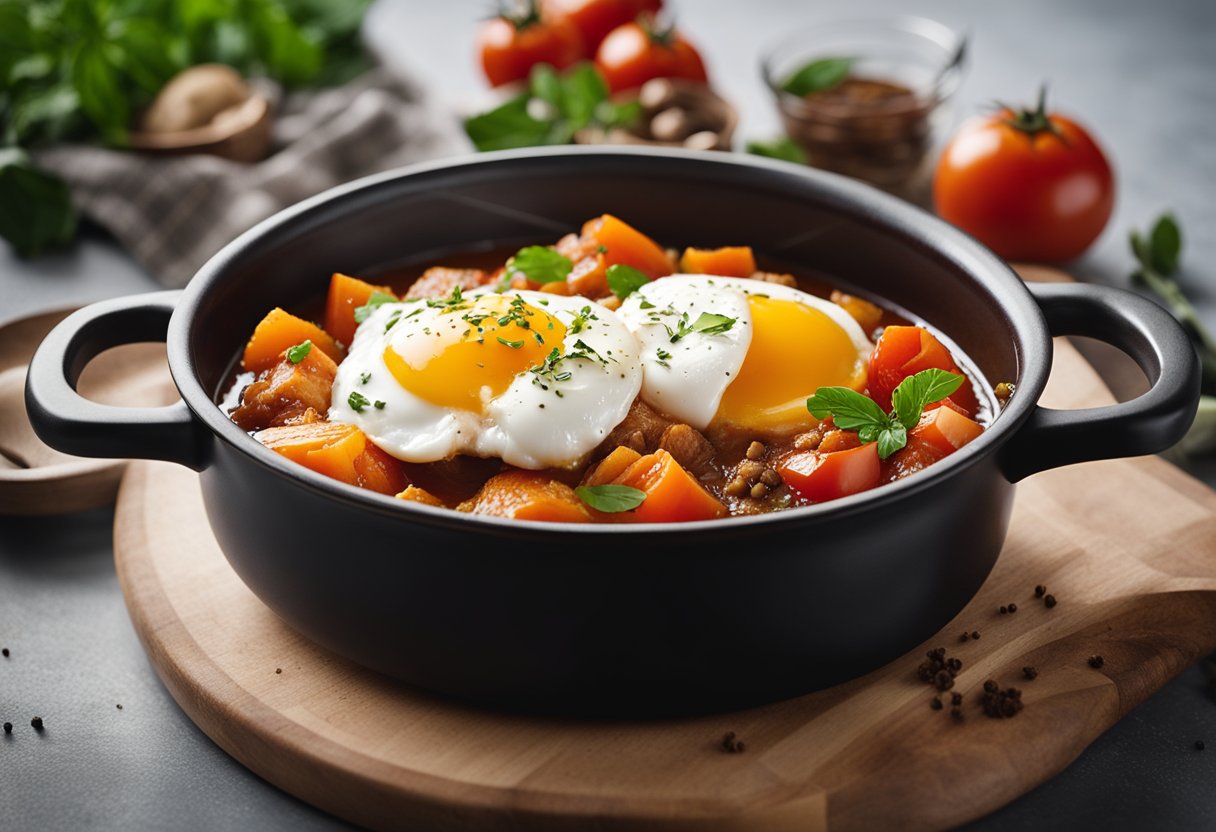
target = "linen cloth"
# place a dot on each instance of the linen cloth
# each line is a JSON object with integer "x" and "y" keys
{"x": 172, "y": 213}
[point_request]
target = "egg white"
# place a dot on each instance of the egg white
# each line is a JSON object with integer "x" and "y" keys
{"x": 527, "y": 425}
{"x": 688, "y": 384}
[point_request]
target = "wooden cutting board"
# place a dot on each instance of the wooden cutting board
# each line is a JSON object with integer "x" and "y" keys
{"x": 1128, "y": 548}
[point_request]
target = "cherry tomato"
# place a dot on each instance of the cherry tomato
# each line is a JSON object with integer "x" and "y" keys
{"x": 634, "y": 53}
{"x": 1029, "y": 184}
{"x": 511, "y": 44}
{"x": 594, "y": 19}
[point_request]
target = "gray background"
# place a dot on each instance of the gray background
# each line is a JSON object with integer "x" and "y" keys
{"x": 1140, "y": 74}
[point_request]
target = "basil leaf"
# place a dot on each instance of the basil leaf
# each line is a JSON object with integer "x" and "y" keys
{"x": 891, "y": 440}
{"x": 377, "y": 299}
{"x": 1165, "y": 245}
{"x": 611, "y": 498}
{"x": 918, "y": 391}
{"x": 849, "y": 409}
{"x": 784, "y": 148}
{"x": 506, "y": 127}
{"x": 35, "y": 207}
{"x": 625, "y": 280}
{"x": 101, "y": 95}
{"x": 539, "y": 264}
{"x": 582, "y": 91}
{"x": 818, "y": 75}
{"x": 710, "y": 324}
{"x": 357, "y": 402}
{"x": 299, "y": 352}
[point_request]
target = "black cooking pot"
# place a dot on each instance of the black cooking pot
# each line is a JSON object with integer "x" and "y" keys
{"x": 619, "y": 619}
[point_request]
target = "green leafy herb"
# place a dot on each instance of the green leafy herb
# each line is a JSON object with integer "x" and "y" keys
{"x": 553, "y": 109}
{"x": 611, "y": 498}
{"x": 851, "y": 410}
{"x": 625, "y": 280}
{"x": 357, "y": 402}
{"x": 379, "y": 405}
{"x": 299, "y": 352}
{"x": 784, "y": 148}
{"x": 377, "y": 299}
{"x": 818, "y": 75}
{"x": 512, "y": 344}
{"x": 35, "y": 208}
{"x": 540, "y": 264}
{"x": 364, "y": 378}
{"x": 707, "y": 323}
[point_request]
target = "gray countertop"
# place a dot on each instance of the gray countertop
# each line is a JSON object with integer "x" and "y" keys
{"x": 1141, "y": 75}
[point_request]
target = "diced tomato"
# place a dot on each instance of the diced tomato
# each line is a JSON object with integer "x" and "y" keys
{"x": 903, "y": 351}
{"x": 946, "y": 429}
{"x": 917, "y": 455}
{"x": 820, "y": 477}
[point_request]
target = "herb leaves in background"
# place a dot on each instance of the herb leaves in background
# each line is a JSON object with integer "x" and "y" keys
{"x": 783, "y": 148}
{"x": 851, "y": 410}
{"x": 551, "y": 111}
{"x": 818, "y": 75}
{"x": 78, "y": 70}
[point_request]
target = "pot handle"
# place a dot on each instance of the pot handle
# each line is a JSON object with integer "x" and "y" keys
{"x": 1147, "y": 424}
{"x": 68, "y": 422}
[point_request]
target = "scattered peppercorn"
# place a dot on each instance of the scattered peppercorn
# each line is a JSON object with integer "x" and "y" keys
{"x": 4, "y": 652}
{"x": 1096, "y": 662}
{"x": 119, "y": 706}
{"x": 37, "y": 723}
{"x": 939, "y": 670}
{"x": 936, "y": 703}
{"x": 1040, "y": 591}
{"x": 1049, "y": 601}
{"x": 732, "y": 745}
{"x": 956, "y": 699}
{"x": 1004, "y": 610}
{"x": 964, "y": 637}
{"x": 1013, "y": 608}
{"x": 957, "y": 713}
{"x": 278, "y": 670}
{"x": 1029, "y": 672}
{"x": 1000, "y": 704}
{"x": 975, "y": 635}
{"x": 1199, "y": 745}
{"x": 8, "y": 727}
{"x": 991, "y": 686}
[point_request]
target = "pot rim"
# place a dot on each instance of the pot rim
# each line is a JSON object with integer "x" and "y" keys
{"x": 1015, "y": 303}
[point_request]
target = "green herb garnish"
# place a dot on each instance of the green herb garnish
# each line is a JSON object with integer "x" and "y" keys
{"x": 707, "y": 323}
{"x": 611, "y": 498}
{"x": 357, "y": 402}
{"x": 299, "y": 352}
{"x": 539, "y": 264}
{"x": 512, "y": 344}
{"x": 784, "y": 148}
{"x": 377, "y": 299}
{"x": 851, "y": 410}
{"x": 818, "y": 75}
{"x": 625, "y": 280}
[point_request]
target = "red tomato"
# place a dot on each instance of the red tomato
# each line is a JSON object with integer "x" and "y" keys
{"x": 594, "y": 19}
{"x": 634, "y": 53}
{"x": 1030, "y": 185}
{"x": 511, "y": 45}
{"x": 946, "y": 429}
{"x": 820, "y": 477}
{"x": 906, "y": 350}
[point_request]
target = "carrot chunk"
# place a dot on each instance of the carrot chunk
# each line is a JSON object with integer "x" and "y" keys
{"x": 338, "y": 450}
{"x": 625, "y": 244}
{"x": 612, "y": 466}
{"x": 529, "y": 495}
{"x": 346, "y": 294}
{"x": 731, "y": 261}
{"x": 672, "y": 494}
{"x": 420, "y": 495}
{"x": 861, "y": 310}
{"x": 279, "y": 331}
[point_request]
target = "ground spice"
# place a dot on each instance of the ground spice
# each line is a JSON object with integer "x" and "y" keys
{"x": 1029, "y": 672}
{"x": 36, "y": 722}
{"x": 731, "y": 744}
{"x": 1096, "y": 662}
{"x": 1000, "y": 704}
{"x": 1049, "y": 601}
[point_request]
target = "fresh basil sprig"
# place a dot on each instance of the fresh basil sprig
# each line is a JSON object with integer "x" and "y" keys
{"x": 625, "y": 280}
{"x": 851, "y": 410}
{"x": 539, "y": 264}
{"x": 818, "y": 75}
{"x": 611, "y": 498}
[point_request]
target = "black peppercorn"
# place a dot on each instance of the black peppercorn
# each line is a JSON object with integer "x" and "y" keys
{"x": 1004, "y": 609}
{"x": 1029, "y": 672}
{"x": 8, "y": 727}
{"x": 1013, "y": 608}
{"x": 956, "y": 699}
{"x": 1199, "y": 745}
{"x": 1040, "y": 591}
{"x": 935, "y": 703}
{"x": 1049, "y": 601}
{"x": 975, "y": 635}
{"x": 36, "y": 722}
{"x": 1096, "y": 662}
{"x": 4, "y": 652}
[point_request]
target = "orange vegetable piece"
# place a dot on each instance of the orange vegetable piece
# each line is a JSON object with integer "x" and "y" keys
{"x": 820, "y": 477}
{"x": 337, "y": 450}
{"x": 867, "y": 315}
{"x": 612, "y": 466}
{"x": 625, "y": 244}
{"x": 530, "y": 495}
{"x": 906, "y": 350}
{"x": 672, "y": 494}
{"x": 732, "y": 261}
{"x": 346, "y": 294}
{"x": 917, "y": 455}
{"x": 946, "y": 429}
{"x": 279, "y": 331}
{"x": 589, "y": 277}
{"x": 420, "y": 495}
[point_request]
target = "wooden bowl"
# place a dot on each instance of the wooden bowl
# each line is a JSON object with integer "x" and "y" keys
{"x": 241, "y": 134}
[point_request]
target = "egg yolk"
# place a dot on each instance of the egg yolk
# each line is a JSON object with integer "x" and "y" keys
{"x": 473, "y": 352}
{"x": 795, "y": 349}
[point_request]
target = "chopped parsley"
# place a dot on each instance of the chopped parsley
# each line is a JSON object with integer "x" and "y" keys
{"x": 512, "y": 344}
{"x": 539, "y": 264}
{"x": 625, "y": 280}
{"x": 707, "y": 324}
{"x": 377, "y": 299}
{"x": 379, "y": 405}
{"x": 664, "y": 356}
{"x": 364, "y": 378}
{"x": 358, "y": 401}
{"x": 299, "y": 352}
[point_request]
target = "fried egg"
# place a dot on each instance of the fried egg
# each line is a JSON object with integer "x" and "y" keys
{"x": 535, "y": 379}
{"x": 741, "y": 352}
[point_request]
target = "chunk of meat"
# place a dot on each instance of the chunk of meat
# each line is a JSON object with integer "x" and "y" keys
{"x": 439, "y": 281}
{"x": 779, "y": 278}
{"x": 286, "y": 393}
{"x": 691, "y": 449}
{"x": 642, "y": 429}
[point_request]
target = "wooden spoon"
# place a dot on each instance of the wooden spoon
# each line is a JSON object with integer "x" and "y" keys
{"x": 37, "y": 479}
